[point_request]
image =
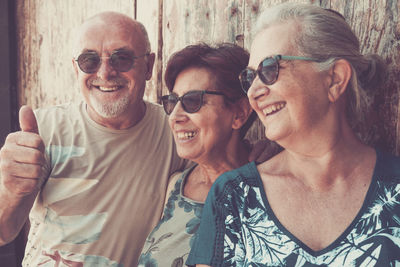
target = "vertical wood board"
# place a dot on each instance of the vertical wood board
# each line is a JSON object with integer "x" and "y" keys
{"x": 147, "y": 12}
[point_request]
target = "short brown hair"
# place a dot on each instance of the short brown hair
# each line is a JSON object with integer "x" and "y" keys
{"x": 225, "y": 61}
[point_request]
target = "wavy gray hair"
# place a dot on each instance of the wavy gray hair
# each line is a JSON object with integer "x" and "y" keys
{"x": 325, "y": 35}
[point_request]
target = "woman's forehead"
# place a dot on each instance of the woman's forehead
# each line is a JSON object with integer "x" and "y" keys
{"x": 277, "y": 39}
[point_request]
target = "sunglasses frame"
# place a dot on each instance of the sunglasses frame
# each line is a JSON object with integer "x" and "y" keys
{"x": 130, "y": 53}
{"x": 275, "y": 61}
{"x": 181, "y": 99}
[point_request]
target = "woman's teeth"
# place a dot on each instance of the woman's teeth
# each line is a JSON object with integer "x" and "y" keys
{"x": 186, "y": 135}
{"x": 273, "y": 108}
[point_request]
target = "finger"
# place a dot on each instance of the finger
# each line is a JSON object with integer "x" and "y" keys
{"x": 21, "y": 186}
{"x": 23, "y": 145}
{"x": 29, "y": 156}
{"x": 21, "y": 170}
{"x": 19, "y": 140}
{"x": 27, "y": 120}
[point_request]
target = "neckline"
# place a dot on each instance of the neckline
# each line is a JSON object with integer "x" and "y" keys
{"x": 344, "y": 234}
{"x": 184, "y": 178}
{"x": 146, "y": 117}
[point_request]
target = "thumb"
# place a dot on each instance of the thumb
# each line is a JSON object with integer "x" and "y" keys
{"x": 27, "y": 120}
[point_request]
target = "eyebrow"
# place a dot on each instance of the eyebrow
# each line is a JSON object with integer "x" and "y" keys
{"x": 88, "y": 50}
{"x": 123, "y": 48}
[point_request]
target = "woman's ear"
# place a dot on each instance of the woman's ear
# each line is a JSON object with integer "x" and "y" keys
{"x": 340, "y": 73}
{"x": 243, "y": 112}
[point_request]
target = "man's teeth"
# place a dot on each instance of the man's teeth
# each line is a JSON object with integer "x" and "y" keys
{"x": 273, "y": 108}
{"x": 108, "y": 89}
{"x": 186, "y": 135}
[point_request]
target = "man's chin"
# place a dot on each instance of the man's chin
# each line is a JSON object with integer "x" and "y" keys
{"x": 110, "y": 110}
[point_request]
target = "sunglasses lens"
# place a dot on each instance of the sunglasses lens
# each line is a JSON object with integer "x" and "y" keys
{"x": 88, "y": 62}
{"x": 122, "y": 61}
{"x": 169, "y": 103}
{"x": 246, "y": 78}
{"x": 268, "y": 70}
{"x": 192, "y": 101}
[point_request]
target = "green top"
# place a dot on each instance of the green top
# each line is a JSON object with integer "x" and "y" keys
{"x": 170, "y": 242}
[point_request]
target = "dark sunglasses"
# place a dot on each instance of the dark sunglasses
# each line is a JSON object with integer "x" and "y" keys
{"x": 191, "y": 101}
{"x": 120, "y": 60}
{"x": 268, "y": 71}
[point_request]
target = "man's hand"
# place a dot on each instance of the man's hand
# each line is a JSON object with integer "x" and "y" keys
{"x": 22, "y": 158}
{"x": 263, "y": 150}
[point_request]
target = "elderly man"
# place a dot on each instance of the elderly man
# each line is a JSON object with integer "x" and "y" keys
{"x": 91, "y": 176}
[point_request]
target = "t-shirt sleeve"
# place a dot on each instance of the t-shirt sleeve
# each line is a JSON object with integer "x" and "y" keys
{"x": 203, "y": 248}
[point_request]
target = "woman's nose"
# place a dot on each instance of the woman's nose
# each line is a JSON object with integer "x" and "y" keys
{"x": 178, "y": 114}
{"x": 257, "y": 89}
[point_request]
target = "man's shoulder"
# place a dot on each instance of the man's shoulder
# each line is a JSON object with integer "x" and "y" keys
{"x": 60, "y": 117}
{"x": 155, "y": 109}
{"x": 155, "y": 117}
{"x": 67, "y": 109}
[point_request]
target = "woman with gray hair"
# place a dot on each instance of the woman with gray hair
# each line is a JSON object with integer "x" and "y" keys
{"x": 327, "y": 199}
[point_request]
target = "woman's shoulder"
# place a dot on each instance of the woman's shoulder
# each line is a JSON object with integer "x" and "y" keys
{"x": 387, "y": 166}
{"x": 246, "y": 173}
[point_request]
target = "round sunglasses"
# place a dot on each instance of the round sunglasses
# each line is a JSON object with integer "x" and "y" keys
{"x": 191, "y": 101}
{"x": 268, "y": 70}
{"x": 120, "y": 61}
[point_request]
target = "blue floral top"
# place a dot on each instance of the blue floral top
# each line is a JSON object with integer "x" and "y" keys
{"x": 238, "y": 227}
{"x": 171, "y": 240}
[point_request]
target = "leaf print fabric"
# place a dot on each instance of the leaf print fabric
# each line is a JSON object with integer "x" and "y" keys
{"x": 171, "y": 240}
{"x": 239, "y": 229}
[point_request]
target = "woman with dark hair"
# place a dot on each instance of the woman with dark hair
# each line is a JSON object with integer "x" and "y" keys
{"x": 209, "y": 115}
{"x": 327, "y": 199}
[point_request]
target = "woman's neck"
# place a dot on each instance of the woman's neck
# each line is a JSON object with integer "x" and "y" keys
{"x": 209, "y": 170}
{"x": 323, "y": 159}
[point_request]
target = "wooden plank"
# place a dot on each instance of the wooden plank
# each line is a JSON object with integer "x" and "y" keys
{"x": 147, "y": 12}
{"x": 376, "y": 23}
{"x": 197, "y": 21}
{"x": 7, "y": 68}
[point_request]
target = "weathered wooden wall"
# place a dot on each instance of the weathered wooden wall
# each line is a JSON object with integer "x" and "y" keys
{"x": 46, "y": 28}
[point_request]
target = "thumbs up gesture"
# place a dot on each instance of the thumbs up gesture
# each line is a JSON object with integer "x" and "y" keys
{"x": 27, "y": 120}
{"x": 22, "y": 158}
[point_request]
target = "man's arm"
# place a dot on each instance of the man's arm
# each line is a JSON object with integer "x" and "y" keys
{"x": 21, "y": 175}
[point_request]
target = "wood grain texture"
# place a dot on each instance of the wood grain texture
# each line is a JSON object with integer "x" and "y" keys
{"x": 46, "y": 30}
{"x": 147, "y": 12}
{"x": 377, "y": 25}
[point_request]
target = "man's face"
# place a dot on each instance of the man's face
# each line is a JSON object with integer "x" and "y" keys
{"x": 113, "y": 95}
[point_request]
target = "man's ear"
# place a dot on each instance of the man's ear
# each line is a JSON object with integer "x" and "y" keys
{"x": 340, "y": 74}
{"x": 150, "y": 63}
{"x": 243, "y": 112}
{"x": 75, "y": 64}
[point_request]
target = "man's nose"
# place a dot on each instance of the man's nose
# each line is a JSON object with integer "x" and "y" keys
{"x": 105, "y": 70}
